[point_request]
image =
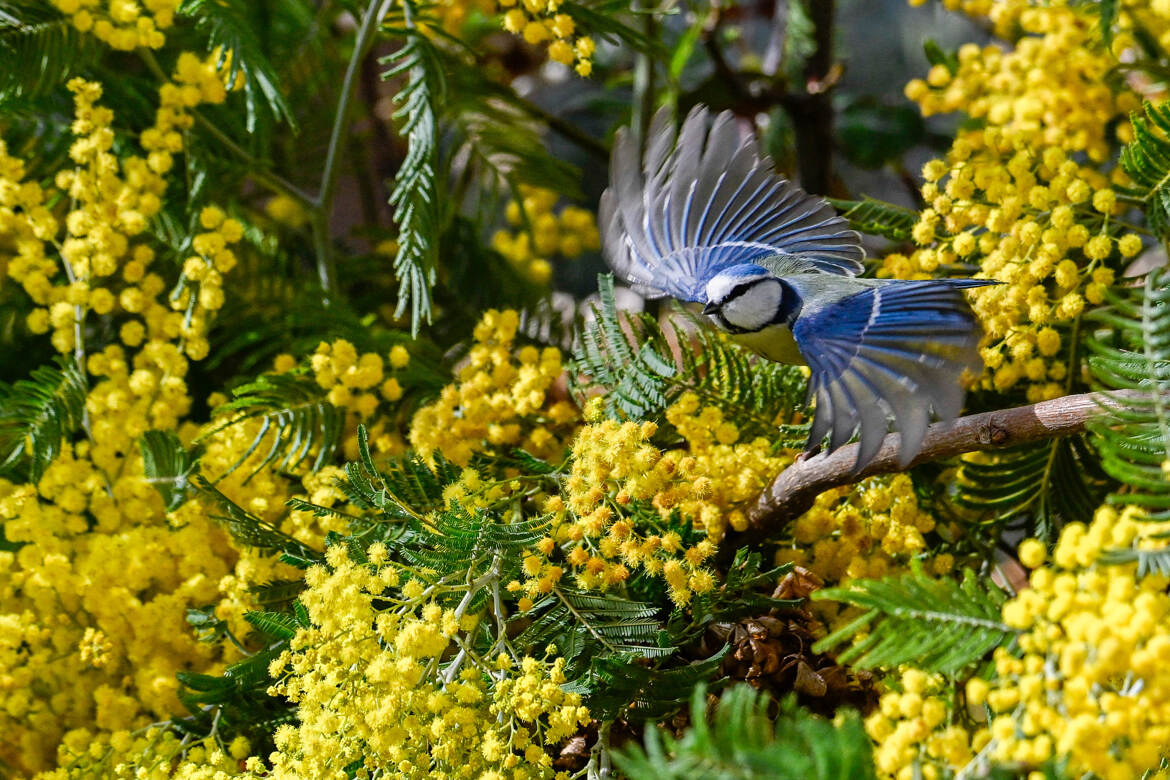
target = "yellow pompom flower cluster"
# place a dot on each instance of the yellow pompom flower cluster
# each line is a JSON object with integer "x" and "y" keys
{"x": 629, "y": 505}
{"x": 916, "y": 731}
{"x": 286, "y": 211}
{"x": 868, "y": 530}
{"x": 499, "y": 401}
{"x": 93, "y": 617}
{"x": 95, "y": 594}
{"x": 1023, "y": 196}
{"x": 112, "y": 199}
{"x": 542, "y": 233}
{"x": 149, "y": 753}
{"x": 538, "y": 21}
{"x": 370, "y": 688}
{"x": 199, "y": 293}
{"x": 122, "y": 24}
{"x": 354, "y": 382}
{"x": 1093, "y": 683}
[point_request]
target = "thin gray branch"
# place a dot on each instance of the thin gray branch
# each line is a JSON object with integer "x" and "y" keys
{"x": 796, "y": 488}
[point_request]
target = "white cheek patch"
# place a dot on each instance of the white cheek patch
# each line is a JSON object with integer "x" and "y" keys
{"x": 755, "y": 308}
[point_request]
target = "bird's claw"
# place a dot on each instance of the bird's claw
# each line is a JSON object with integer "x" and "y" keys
{"x": 806, "y": 454}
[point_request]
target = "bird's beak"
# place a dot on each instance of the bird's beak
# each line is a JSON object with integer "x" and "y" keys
{"x": 710, "y": 308}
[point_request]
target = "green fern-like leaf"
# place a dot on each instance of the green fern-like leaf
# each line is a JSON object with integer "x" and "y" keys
{"x": 615, "y": 687}
{"x": 1048, "y": 484}
{"x": 1130, "y": 352}
{"x": 459, "y": 541}
{"x": 584, "y": 626}
{"x": 37, "y": 414}
{"x": 877, "y": 218}
{"x": 636, "y": 372}
{"x": 297, "y": 424}
{"x": 1147, "y": 161}
{"x": 251, "y": 531}
{"x": 940, "y": 625}
{"x": 40, "y": 49}
{"x": 640, "y": 375}
{"x": 600, "y": 18}
{"x": 277, "y": 594}
{"x": 229, "y": 28}
{"x": 497, "y": 141}
{"x": 404, "y": 488}
{"x": 1148, "y": 561}
{"x": 1108, "y": 10}
{"x": 740, "y": 741}
{"x": 235, "y": 702}
{"x": 168, "y": 465}
{"x": 277, "y": 625}
{"x": 415, "y": 196}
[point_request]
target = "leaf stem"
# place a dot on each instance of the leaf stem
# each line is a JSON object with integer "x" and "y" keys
{"x": 270, "y": 180}
{"x": 644, "y": 96}
{"x": 79, "y": 357}
{"x": 583, "y": 620}
{"x": 323, "y": 203}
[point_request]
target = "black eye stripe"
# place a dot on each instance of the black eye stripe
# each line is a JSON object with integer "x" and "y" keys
{"x": 739, "y": 290}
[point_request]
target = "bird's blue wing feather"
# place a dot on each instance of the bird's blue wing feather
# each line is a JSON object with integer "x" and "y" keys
{"x": 896, "y": 349}
{"x": 707, "y": 203}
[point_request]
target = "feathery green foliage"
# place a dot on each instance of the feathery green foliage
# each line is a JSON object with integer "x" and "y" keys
{"x": 237, "y": 701}
{"x": 640, "y": 374}
{"x": 584, "y": 626}
{"x": 636, "y": 370}
{"x": 39, "y": 50}
{"x": 251, "y": 531}
{"x": 497, "y": 140}
{"x": 1130, "y": 353}
{"x": 280, "y": 625}
{"x": 228, "y": 25}
{"x": 295, "y": 419}
{"x": 741, "y": 741}
{"x": 1156, "y": 562}
{"x": 1045, "y": 485}
{"x": 599, "y": 17}
{"x": 168, "y": 465}
{"x": 404, "y": 489}
{"x": 939, "y": 625}
{"x": 877, "y": 218}
{"x": 37, "y": 414}
{"x": 1147, "y": 161}
{"x": 416, "y": 193}
{"x": 616, "y": 688}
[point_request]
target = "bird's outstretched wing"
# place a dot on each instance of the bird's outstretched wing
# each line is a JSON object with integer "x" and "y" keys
{"x": 707, "y": 203}
{"x": 897, "y": 349}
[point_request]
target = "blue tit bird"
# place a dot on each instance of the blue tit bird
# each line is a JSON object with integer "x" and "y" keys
{"x": 705, "y": 219}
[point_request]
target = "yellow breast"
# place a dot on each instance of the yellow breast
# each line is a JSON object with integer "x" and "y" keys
{"x": 774, "y": 342}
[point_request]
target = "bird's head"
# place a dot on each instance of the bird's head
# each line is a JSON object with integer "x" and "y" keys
{"x": 743, "y": 298}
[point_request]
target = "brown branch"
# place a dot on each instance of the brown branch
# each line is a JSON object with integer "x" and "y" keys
{"x": 795, "y": 489}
